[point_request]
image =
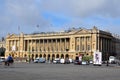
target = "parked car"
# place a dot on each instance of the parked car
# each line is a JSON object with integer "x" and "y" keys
{"x": 67, "y": 61}
{"x": 117, "y": 61}
{"x": 104, "y": 62}
{"x": 85, "y": 63}
{"x": 77, "y": 62}
{"x": 39, "y": 60}
{"x": 90, "y": 61}
{"x": 42, "y": 60}
{"x": 62, "y": 61}
{"x": 36, "y": 60}
{"x": 71, "y": 60}
{"x": 56, "y": 61}
{"x": 112, "y": 59}
{"x": 2, "y": 59}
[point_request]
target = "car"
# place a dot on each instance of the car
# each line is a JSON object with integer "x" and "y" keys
{"x": 56, "y": 61}
{"x": 62, "y": 61}
{"x": 2, "y": 59}
{"x": 77, "y": 62}
{"x": 112, "y": 59}
{"x": 36, "y": 60}
{"x": 39, "y": 60}
{"x": 71, "y": 60}
{"x": 91, "y": 62}
{"x": 104, "y": 62}
{"x": 67, "y": 61}
{"x": 117, "y": 61}
{"x": 85, "y": 63}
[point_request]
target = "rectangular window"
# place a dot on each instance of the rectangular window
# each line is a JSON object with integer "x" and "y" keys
{"x": 88, "y": 48}
{"x": 82, "y": 47}
{"x": 77, "y": 48}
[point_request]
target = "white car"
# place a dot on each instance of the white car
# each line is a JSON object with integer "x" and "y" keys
{"x": 36, "y": 60}
{"x": 71, "y": 61}
{"x": 56, "y": 61}
{"x": 39, "y": 60}
{"x": 62, "y": 61}
{"x": 112, "y": 59}
{"x": 2, "y": 59}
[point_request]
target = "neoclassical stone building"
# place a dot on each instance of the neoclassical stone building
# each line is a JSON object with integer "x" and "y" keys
{"x": 67, "y": 44}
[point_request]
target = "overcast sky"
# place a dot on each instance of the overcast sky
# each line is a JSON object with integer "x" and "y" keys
{"x": 57, "y": 15}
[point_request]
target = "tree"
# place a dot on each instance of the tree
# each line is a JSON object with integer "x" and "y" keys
{"x": 2, "y": 51}
{"x": 87, "y": 58}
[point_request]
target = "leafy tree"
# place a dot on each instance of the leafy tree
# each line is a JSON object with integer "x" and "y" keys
{"x": 2, "y": 51}
{"x": 87, "y": 58}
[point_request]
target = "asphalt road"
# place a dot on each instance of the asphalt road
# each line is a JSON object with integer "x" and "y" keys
{"x": 32, "y": 71}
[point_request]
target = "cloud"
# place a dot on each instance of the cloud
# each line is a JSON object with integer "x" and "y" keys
{"x": 29, "y": 13}
{"x": 26, "y": 12}
{"x": 84, "y": 8}
{"x": 23, "y": 13}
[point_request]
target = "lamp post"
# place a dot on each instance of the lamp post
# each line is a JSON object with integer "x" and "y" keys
{"x": 107, "y": 60}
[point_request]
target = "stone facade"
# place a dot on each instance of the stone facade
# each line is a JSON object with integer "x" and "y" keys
{"x": 69, "y": 44}
{"x": 2, "y": 44}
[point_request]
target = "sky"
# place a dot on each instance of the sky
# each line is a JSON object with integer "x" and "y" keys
{"x": 29, "y": 16}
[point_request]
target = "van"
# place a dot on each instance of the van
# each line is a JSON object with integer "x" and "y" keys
{"x": 112, "y": 59}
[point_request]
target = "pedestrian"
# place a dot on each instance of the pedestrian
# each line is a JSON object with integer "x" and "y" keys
{"x": 9, "y": 60}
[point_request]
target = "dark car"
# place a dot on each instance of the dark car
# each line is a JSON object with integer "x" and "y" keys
{"x": 67, "y": 61}
{"x": 77, "y": 62}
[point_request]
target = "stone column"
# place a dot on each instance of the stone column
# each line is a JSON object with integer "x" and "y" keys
{"x": 31, "y": 45}
{"x": 101, "y": 44}
{"x": 56, "y": 45}
{"x": 79, "y": 44}
{"x": 24, "y": 45}
{"x": 108, "y": 45}
{"x": 60, "y": 44}
{"x": 28, "y": 45}
{"x": 98, "y": 41}
{"x": 85, "y": 44}
{"x": 72, "y": 44}
{"x": 52, "y": 45}
{"x": 8, "y": 44}
{"x": 47, "y": 45}
{"x": 36, "y": 45}
{"x": 11, "y": 44}
{"x": 39, "y": 45}
{"x": 103, "y": 41}
{"x": 44, "y": 45}
{"x": 65, "y": 45}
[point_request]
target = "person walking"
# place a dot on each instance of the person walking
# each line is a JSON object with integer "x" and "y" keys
{"x": 9, "y": 60}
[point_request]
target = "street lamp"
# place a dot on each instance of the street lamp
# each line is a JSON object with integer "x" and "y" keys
{"x": 107, "y": 59}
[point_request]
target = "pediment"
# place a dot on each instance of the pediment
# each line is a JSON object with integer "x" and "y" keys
{"x": 11, "y": 36}
{"x": 83, "y": 31}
